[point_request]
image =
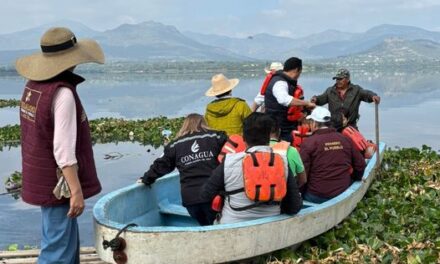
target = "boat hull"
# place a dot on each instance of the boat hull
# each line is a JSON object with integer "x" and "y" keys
{"x": 185, "y": 242}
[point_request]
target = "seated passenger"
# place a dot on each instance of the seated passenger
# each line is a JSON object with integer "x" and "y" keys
{"x": 257, "y": 198}
{"x": 293, "y": 157}
{"x": 331, "y": 162}
{"x": 194, "y": 153}
{"x": 226, "y": 113}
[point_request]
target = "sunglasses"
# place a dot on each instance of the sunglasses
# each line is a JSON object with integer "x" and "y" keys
{"x": 338, "y": 79}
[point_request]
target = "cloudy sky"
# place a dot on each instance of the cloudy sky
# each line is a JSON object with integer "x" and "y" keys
{"x": 293, "y": 18}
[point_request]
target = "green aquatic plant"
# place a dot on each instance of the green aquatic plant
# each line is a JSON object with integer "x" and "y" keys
{"x": 396, "y": 222}
{"x": 105, "y": 130}
{"x": 9, "y": 103}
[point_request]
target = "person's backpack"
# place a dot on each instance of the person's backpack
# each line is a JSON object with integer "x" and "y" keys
{"x": 367, "y": 148}
{"x": 264, "y": 177}
{"x": 234, "y": 144}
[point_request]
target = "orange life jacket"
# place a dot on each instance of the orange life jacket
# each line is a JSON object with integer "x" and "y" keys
{"x": 234, "y": 144}
{"x": 299, "y": 135}
{"x": 294, "y": 113}
{"x": 264, "y": 177}
{"x": 367, "y": 148}
{"x": 266, "y": 82}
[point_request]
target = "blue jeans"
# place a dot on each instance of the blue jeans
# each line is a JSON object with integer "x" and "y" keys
{"x": 60, "y": 236}
{"x": 314, "y": 198}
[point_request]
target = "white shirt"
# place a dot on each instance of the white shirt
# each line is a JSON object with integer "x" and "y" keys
{"x": 280, "y": 91}
{"x": 65, "y": 130}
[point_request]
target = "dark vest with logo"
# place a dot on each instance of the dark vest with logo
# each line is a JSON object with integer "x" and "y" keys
{"x": 37, "y": 133}
{"x": 273, "y": 108}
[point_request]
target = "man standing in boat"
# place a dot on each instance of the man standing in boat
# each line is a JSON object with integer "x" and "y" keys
{"x": 237, "y": 178}
{"x": 330, "y": 160}
{"x": 279, "y": 96}
{"x": 344, "y": 98}
{"x": 57, "y": 157}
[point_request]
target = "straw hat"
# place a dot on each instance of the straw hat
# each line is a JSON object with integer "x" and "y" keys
{"x": 221, "y": 85}
{"x": 274, "y": 66}
{"x": 59, "y": 51}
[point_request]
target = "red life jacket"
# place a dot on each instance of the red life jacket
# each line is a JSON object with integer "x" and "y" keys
{"x": 278, "y": 148}
{"x": 294, "y": 113}
{"x": 264, "y": 177}
{"x": 367, "y": 148}
{"x": 234, "y": 144}
{"x": 266, "y": 82}
{"x": 299, "y": 135}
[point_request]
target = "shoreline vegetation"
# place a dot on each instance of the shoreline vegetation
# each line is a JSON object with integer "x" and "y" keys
{"x": 205, "y": 69}
{"x": 394, "y": 223}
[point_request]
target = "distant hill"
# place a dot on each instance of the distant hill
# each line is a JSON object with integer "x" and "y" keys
{"x": 144, "y": 41}
{"x": 395, "y": 52}
{"x": 365, "y": 41}
{"x": 327, "y": 44}
{"x": 156, "y": 41}
{"x": 153, "y": 41}
{"x": 30, "y": 38}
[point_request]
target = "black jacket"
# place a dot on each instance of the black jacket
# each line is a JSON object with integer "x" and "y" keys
{"x": 273, "y": 108}
{"x": 195, "y": 156}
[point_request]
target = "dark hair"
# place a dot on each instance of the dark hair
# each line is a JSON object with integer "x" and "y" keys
{"x": 275, "y": 127}
{"x": 292, "y": 64}
{"x": 256, "y": 129}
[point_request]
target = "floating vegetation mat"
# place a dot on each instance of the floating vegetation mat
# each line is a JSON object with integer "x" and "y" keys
{"x": 105, "y": 130}
{"x": 398, "y": 221}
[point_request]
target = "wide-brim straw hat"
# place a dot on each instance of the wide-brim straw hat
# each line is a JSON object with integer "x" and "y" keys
{"x": 60, "y": 51}
{"x": 221, "y": 85}
{"x": 274, "y": 66}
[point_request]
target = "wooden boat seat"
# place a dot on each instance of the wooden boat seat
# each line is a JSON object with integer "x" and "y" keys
{"x": 165, "y": 207}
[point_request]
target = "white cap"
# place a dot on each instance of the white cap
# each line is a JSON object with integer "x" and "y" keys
{"x": 274, "y": 66}
{"x": 320, "y": 114}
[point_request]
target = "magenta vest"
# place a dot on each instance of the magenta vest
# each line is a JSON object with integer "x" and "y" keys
{"x": 37, "y": 132}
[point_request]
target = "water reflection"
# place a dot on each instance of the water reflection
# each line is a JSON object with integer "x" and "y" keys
{"x": 406, "y": 97}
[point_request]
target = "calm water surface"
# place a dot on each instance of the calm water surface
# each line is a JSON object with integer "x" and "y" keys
{"x": 408, "y": 118}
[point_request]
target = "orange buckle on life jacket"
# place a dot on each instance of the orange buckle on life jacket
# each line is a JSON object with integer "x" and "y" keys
{"x": 361, "y": 144}
{"x": 264, "y": 177}
{"x": 234, "y": 144}
{"x": 266, "y": 82}
{"x": 295, "y": 113}
{"x": 299, "y": 135}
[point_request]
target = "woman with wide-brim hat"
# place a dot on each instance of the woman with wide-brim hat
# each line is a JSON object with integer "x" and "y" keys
{"x": 225, "y": 113}
{"x": 57, "y": 157}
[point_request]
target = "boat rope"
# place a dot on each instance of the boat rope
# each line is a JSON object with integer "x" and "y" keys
{"x": 117, "y": 243}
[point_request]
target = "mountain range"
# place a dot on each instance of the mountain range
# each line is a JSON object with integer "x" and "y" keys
{"x": 154, "y": 41}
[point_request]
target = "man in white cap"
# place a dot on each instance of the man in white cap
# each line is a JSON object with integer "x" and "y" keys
{"x": 330, "y": 160}
{"x": 226, "y": 113}
{"x": 57, "y": 158}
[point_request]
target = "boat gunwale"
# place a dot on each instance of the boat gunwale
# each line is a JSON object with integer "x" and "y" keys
{"x": 99, "y": 212}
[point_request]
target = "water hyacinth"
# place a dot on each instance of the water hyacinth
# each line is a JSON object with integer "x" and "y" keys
{"x": 396, "y": 222}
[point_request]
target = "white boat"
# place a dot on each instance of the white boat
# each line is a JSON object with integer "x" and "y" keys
{"x": 165, "y": 233}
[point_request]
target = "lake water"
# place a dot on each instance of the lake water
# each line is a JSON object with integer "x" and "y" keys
{"x": 407, "y": 119}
